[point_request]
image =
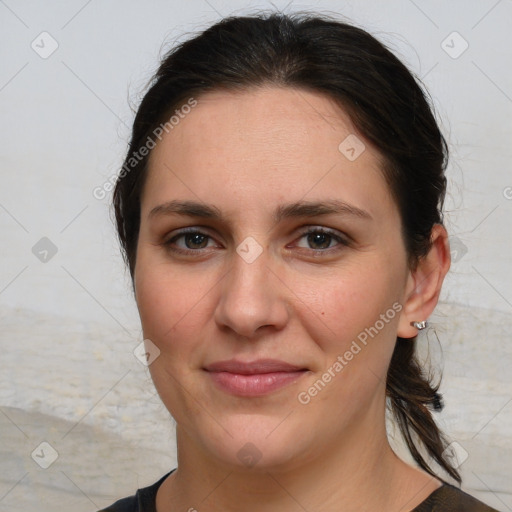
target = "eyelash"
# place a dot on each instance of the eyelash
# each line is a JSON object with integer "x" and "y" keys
{"x": 311, "y": 230}
{"x": 342, "y": 241}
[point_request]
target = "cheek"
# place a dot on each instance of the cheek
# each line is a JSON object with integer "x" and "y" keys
{"x": 167, "y": 297}
{"x": 353, "y": 316}
{"x": 348, "y": 302}
{"x": 361, "y": 333}
{"x": 172, "y": 309}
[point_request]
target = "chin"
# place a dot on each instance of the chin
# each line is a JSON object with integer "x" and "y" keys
{"x": 257, "y": 443}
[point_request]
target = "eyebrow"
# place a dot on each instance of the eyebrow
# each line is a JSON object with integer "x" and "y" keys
{"x": 299, "y": 209}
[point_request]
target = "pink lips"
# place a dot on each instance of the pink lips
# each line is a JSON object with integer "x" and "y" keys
{"x": 256, "y": 378}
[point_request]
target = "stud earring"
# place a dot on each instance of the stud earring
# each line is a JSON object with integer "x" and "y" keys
{"x": 420, "y": 325}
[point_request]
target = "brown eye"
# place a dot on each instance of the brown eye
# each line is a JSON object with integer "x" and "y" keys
{"x": 189, "y": 242}
{"x": 195, "y": 240}
{"x": 319, "y": 240}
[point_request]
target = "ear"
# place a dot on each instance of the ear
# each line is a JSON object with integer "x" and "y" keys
{"x": 424, "y": 283}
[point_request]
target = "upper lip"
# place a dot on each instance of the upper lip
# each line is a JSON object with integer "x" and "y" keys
{"x": 252, "y": 367}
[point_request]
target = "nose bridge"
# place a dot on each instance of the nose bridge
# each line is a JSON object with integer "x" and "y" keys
{"x": 250, "y": 297}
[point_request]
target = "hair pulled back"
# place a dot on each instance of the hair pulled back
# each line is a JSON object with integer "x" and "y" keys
{"x": 386, "y": 105}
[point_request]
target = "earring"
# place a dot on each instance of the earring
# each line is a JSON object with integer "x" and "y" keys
{"x": 420, "y": 325}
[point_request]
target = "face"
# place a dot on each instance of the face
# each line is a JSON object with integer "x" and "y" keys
{"x": 270, "y": 274}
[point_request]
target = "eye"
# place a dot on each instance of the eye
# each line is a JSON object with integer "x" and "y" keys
{"x": 195, "y": 240}
{"x": 320, "y": 239}
{"x": 189, "y": 241}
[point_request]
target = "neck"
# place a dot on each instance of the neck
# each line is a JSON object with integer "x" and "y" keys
{"x": 359, "y": 472}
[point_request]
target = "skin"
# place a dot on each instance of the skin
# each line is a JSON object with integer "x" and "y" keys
{"x": 248, "y": 153}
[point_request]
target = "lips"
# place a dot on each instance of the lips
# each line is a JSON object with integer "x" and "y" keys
{"x": 256, "y": 378}
{"x": 252, "y": 368}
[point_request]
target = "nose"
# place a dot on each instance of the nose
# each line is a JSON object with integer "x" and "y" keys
{"x": 252, "y": 298}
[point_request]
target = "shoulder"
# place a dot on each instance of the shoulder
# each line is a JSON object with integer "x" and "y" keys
{"x": 123, "y": 505}
{"x": 142, "y": 501}
{"x": 449, "y": 498}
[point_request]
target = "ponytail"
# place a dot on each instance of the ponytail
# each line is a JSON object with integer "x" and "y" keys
{"x": 412, "y": 398}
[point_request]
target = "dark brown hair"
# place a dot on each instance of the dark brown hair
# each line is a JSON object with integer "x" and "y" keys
{"x": 386, "y": 105}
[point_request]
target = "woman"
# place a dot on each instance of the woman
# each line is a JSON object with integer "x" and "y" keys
{"x": 280, "y": 210}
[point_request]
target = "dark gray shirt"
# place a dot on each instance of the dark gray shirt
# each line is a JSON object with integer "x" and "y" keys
{"x": 446, "y": 498}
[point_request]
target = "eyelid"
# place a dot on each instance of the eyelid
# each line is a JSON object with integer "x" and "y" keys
{"x": 203, "y": 230}
{"x": 340, "y": 237}
{"x": 200, "y": 230}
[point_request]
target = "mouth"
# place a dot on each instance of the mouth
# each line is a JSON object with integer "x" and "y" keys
{"x": 256, "y": 378}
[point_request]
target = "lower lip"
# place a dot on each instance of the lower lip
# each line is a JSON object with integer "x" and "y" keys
{"x": 254, "y": 385}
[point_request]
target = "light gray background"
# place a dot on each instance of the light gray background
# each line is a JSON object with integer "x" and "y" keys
{"x": 69, "y": 325}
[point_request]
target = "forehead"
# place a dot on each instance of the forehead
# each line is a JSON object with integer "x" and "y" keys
{"x": 265, "y": 144}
